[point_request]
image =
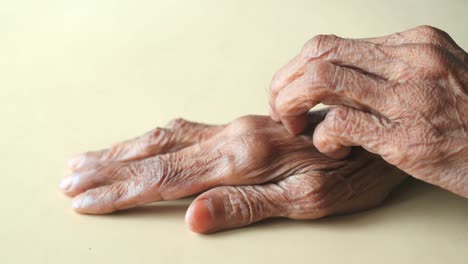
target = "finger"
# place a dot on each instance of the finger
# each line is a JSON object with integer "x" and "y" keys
{"x": 81, "y": 181}
{"x": 358, "y": 185}
{"x": 305, "y": 122}
{"x": 321, "y": 45}
{"x": 369, "y": 57}
{"x": 234, "y": 206}
{"x": 298, "y": 65}
{"x": 344, "y": 127}
{"x": 107, "y": 199}
{"x": 296, "y": 124}
{"x": 163, "y": 177}
{"x": 179, "y": 134}
{"x": 288, "y": 73}
{"x": 330, "y": 84}
{"x": 367, "y": 187}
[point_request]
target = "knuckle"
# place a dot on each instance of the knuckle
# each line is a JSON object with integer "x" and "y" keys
{"x": 318, "y": 81}
{"x": 159, "y": 138}
{"x": 318, "y": 73}
{"x": 430, "y": 32}
{"x": 246, "y": 124}
{"x": 237, "y": 206}
{"x": 251, "y": 204}
{"x": 243, "y": 205}
{"x": 317, "y": 44}
{"x": 117, "y": 193}
{"x": 177, "y": 123}
{"x": 288, "y": 105}
{"x": 155, "y": 171}
{"x": 433, "y": 35}
{"x": 127, "y": 171}
{"x": 158, "y": 170}
{"x": 256, "y": 147}
{"x": 337, "y": 120}
{"x": 157, "y": 174}
{"x": 247, "y": 155}
{"x": 275, "y": 83}
{"x": 248, "y": 151}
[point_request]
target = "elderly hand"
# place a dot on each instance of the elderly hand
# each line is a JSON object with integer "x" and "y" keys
{"x": 251, "y": 169}
{"x": 403, "y": 97}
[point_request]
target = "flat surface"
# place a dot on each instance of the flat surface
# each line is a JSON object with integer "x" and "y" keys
{"x": 79, "y": 75}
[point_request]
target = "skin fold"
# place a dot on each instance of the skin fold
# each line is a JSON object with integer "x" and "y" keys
{"x": 403, "y": 97}
{"x": 248, "y": 170}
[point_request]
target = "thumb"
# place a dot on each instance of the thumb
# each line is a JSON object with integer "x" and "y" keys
{"x": 234, "y": 206}
{"x": 344, "y": 127}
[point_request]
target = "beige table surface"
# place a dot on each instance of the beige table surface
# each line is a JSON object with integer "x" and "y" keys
{"x": 78, "y": 75}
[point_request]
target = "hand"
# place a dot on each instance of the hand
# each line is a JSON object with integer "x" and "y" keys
{"x": 403, "y": 97}
{"x": 251, "y": 169}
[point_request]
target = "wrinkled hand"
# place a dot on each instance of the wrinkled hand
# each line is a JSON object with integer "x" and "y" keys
{"x": 252, "y": 168}
{"x": 403, "y": 97}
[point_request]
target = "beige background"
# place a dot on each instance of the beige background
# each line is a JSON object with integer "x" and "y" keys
{"x": 78, "y": 75}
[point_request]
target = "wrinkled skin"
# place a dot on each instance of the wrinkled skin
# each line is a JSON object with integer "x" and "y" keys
{"x": 402, "y": 96}
{"x": 248, "y": 170}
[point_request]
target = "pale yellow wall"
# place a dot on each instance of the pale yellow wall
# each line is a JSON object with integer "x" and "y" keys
{"x": 78, "y": 75}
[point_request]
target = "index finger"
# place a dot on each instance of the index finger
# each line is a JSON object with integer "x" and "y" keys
{"x": 164, "y": 177}
{"x": 288, "y": 73}
{"x": 151, "y": 180}
{"x": 318, "y": 47}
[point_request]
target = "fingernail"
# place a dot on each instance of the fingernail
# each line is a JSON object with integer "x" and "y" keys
{"x": 75, "y": 162}
{"x": 66, "y": 183}
{"x": 200, "y": 216}
{"x": 77, "y": 202}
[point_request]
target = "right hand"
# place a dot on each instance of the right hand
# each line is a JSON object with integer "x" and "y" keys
{"x": 403, "y": 97}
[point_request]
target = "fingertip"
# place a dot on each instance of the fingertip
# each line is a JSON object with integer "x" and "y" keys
{"x": 66, "y": 183}
{"x": 340, "y": 153}
{"x": 295, "y": 124}
{"x": 72, "y": 185}
{"x": 86, "y": 204}
{"x": 273, "y": 114}
{"x": 200, "y": 216}
{"x": 77, "y": 204}
{"x": 327, "y": 145}
{"x": 331, "y": 149}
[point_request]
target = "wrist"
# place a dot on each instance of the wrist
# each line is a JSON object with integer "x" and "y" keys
{"x": 457, "y": 169}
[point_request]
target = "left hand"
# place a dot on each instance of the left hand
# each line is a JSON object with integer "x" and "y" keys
{"x": 251, "y": 169}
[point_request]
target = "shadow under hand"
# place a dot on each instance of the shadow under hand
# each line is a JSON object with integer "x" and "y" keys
{"x": 413, "y": 201}
{"x": 165, "y": 209}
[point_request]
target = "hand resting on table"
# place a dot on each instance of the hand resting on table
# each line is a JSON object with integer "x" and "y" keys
{"x": 246, "y": 171}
